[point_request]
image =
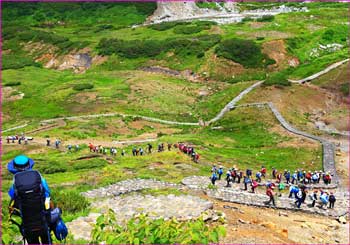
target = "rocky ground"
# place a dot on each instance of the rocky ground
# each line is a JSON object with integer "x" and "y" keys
{"x": 318, "y": 225}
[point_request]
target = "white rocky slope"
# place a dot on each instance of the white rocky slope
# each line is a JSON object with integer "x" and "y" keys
{"x": 182, "y": 10}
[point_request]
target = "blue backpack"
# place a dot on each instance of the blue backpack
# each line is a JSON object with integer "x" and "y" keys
{"x": 220, "y": 171}
{"x": 57, "y": 225}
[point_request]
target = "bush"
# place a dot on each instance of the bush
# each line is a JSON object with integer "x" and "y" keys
{"x": 344, "y": 88}
{"x": 279, "y": 79}
{"x": 51, "y": 167}
{"x": 16, "y": 61}
{"x": 69, "y": 201}
{"x": 89, "y": 164}
{"x": 83, "y": 86}
{"x": 245, "y": 52}
{"x": 143, "y": 230}
{"x": 12, "y": 84}
{"x": 247, "y": 19}
{"x": 166, "y": 25}
{"x": 266, "y": 18}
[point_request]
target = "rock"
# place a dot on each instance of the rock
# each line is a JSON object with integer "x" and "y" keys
{"x": 242, "y": 221}
{"x": 283, "y": 214}
{"x": 342, "y": 220}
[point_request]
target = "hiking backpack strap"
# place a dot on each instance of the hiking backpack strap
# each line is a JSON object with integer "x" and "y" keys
{"x": 30, "y": 198}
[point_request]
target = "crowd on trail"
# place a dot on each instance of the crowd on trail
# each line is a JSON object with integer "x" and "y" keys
{"x": 31, "y": 201}
{"x": 299, "y": 184}
{"x": 18, "y": 138}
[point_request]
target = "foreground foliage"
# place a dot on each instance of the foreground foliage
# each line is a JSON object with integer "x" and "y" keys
{"x": 142, "y": 229}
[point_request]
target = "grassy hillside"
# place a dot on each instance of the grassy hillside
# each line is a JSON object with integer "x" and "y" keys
{"x": 216, "y": 62}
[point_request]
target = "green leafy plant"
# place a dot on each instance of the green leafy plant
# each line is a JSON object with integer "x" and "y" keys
{"x": 143, "y": 230}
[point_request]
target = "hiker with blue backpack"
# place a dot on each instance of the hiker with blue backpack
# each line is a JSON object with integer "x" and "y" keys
{"x": 220, "y": 172}
{"x": 30, "y": 199}
{"x": 213, "y": 178}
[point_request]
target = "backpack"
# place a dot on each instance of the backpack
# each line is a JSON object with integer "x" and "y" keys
{"x": 30, "y": 199}
{"x": 299, "y": 194}
{"x": 332, "y": 198}
{"x": 220, "y": 171}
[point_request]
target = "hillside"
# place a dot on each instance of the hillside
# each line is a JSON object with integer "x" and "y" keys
{"x": 131, "y": 73}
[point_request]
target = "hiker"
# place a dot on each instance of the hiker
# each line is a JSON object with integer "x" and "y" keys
{"x": 287, "y": 176}
{"x": 258, "y": 176}
{"x": 279, "y": 177}
{"x": 293, "y": 190}
{"x": 91, "y": 147}
{"x": 196, "y": 157}
{"x": 270, "y": 194}
{"x": 57, "y": 143}
{"x": 328, "y": 178}
{"x": 69, "y": 147}
{"x": 123, "y": 152}
{"x": 314, "y": 177}
{"x": 228, "y": 178}
{"x": 331, "y": 200}
{"x": 234, "y": 175}
{"x": 313, "y": 198}
{"x": 213, "y": 169}
{"x": 308, "y": 177}
{"x": 220, "y": 172}
{"x": 13, "y": 139}
{"x": 281, "y": 187}
{"x": 19, "y": 141}
{"x": 105, "y": 150}
{"x": 254, "y": 185}
{"x": 324, "y": 199}
{"x": 299, "y": 174}
{"x": 213, "y": 178}
{"x": 246, "y": 181}
{"x": 8, "y": 139}
{"x": 149, "y": 148}
{"x": 274, "y": 173}
{"x": 101, "y": 149}
{"x": 76, "y": 147}
{"x": 169, "y": 146}
{"x": 299, "y": 197}
{"x": 134, "y": 151}
{"x": 162, "y": 147}
{"x": 159, "y": 148}
{"x": 141, "y": 151}
{"x": 249, "y": 172}
{"x": 26, "y": 141}
{"x": 263, "y": 171}
{"x": 239, "y": 176}
{"x": 33, "y": 205}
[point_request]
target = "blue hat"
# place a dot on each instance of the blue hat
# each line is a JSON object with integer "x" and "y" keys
{"x": 21, "y": 160}
{"x": 20, "y": 163}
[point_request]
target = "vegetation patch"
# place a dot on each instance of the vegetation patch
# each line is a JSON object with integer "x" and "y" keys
{"x": 83, "y": 86}
{"x": 143, "y": 230}
{"x": 244, "y": 52}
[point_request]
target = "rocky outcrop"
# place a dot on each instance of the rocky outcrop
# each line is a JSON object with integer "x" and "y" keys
{"x": 223, "y": 14}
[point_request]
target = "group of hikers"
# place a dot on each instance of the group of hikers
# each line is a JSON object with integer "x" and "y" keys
{"x": 298, "y": 185}
{"x": 19, "y": 138}
{"x": 189, "y": 150}
{"x": 31, "y": 200}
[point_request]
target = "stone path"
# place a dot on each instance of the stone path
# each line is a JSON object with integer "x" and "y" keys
{"x": 127, "y": 186}
{"x": 182, "y": 207}
{"x": 232, "y": 103}
{"x": 318, "y": 74}
{"x": 236, "y": 194}
{"x": 328, "y": 147}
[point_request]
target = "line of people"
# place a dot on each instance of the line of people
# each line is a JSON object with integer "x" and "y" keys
{"x": 298, "y": 188}
{"x": 189, "y": 150}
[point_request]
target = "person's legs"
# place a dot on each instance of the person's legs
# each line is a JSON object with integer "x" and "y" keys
{"x": 313, "y": 203}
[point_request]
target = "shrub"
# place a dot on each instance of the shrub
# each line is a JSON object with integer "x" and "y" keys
{"x": 166, "y": 25}
{"x": 344, "y": 88}
{"x": 279, "y": 79}
{"x": 12, "y": 84}
{"x": 266, "y": 18}
{"x": 260, "y": 38}
{"x": 16, "y": 61}
{"x": 51, "y": 167}
{"x": 143, "y": 230}
{"x": 83, "y": 86}
{"x": 245, "y": 52}
{"x": 247, "y": 19}
{"x": 70, "y": 201}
